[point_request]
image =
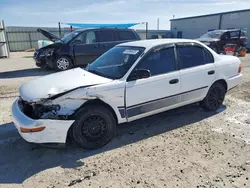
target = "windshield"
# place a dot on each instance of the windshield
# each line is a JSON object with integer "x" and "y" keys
{"x": 116, "y": 62}
{"x": 212, "y": 34}
{"x": 69, "y": 36}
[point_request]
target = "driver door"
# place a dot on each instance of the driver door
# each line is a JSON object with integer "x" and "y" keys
{"x": 86, "y": 48}
{"x": 158, "y": 92}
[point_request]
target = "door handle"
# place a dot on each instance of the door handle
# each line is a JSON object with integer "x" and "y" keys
{"x": 211, "y": 72}
{"x": 104, "y": 46}
{"x": 95, "y": 46}
{"x": 174, "y": 81}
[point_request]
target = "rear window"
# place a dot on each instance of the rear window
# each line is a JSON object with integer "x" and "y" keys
{"x": 126, "y": 35}
{"x": 107, "y": 35}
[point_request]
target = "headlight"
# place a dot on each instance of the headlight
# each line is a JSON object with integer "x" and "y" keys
{"x": 45, "y": 111}
{"x": 47, "y": 52}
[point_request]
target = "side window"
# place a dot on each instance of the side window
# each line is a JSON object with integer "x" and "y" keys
{"x": 107, "y": 35}
{"x": 159, "y": 62}
{"x": 226, "y": 36}
{"x": 190, "y": 56}
{"x": 234, "y": 34}
{"x": 90, "y": 37}
{"x": 125, "y": 35}
{"x": 242, "y": 34}
{"x": 209, "y": 58}
{"x": 86, "y": 38}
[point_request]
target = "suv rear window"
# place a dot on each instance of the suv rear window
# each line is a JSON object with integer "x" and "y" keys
{"x": 107, "y": 35}
{"x": 125, "y": 35}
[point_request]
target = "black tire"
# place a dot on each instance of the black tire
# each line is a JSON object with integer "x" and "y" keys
{"x": 215, "y": 97}
{"x": 94, "y": 127}
{"x": 62, "y": 63}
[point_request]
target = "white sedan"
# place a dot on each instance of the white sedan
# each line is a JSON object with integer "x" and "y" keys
{"x": 131, "y": 81}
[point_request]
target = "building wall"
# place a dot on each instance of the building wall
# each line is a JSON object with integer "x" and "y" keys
{"x": 195, "y": 27}
{"x": 237, "y": 20}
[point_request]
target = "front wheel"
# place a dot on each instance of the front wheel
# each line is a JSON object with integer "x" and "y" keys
{"x": 94, "y": 127}
{"x": 215, "y": 97}
{"x": 63, "y": 63}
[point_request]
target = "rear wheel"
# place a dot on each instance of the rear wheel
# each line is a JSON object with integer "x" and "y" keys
{"x": 94, "y": 127}
{"x": 63, "y": 63}
{"x": 215, "y": 97}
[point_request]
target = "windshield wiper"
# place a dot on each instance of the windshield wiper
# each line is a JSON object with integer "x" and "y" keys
{"x": 100, "y": 74}
{"x": 96, "y": 72}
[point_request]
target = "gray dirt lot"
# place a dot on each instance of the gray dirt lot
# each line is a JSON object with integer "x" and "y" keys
{"x": 187, "y": 147}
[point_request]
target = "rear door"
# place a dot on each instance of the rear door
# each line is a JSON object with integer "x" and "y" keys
{"x": 86, "y": 48}
{"x": 197, "y": 71}
{"x": 107, "y": 39}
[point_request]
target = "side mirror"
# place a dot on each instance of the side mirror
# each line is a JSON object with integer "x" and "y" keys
{"x": 139, "y": 74}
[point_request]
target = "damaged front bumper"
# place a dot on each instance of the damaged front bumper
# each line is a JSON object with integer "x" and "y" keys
{"x": 40, "y": 130}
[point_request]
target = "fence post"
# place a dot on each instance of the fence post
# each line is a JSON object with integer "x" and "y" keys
{"x": 30, "y": 41}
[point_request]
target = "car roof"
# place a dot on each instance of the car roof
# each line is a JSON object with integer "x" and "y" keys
{"x": 225, "y": 30}
{"x": 101, "y": 28}
{"x": 155, "y": 42}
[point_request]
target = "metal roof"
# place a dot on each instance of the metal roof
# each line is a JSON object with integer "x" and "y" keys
{"x": 229, "y": 12}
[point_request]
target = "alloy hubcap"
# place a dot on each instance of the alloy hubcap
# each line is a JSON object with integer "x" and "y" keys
{"x": 62, "y": 63}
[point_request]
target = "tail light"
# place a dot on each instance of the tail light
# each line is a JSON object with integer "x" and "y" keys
{"x": 240, "y": 68}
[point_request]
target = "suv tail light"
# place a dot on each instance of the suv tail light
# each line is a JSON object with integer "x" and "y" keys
{"x": 240, "y": 68}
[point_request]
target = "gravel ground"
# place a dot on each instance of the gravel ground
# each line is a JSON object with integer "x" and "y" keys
{"x": 186, "y": 147}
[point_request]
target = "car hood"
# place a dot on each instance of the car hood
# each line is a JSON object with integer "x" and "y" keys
{"x": 207, "y": 39}
{"x": 53, "y": 84}
{"x": 48, "y": 35}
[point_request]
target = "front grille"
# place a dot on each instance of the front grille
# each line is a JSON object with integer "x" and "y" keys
{"x": 26, "y": 108}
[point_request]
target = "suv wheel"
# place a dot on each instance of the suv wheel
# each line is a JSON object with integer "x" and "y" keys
{"x": 94, "y": 127}
{"x": 215, "y": 97}
{"x": 63, "y": 63}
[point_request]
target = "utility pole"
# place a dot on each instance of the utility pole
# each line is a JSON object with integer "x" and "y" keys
{"x": 60, "y": 31}
{"x": 146, "y": 30}
{"x": 158, "y": 23}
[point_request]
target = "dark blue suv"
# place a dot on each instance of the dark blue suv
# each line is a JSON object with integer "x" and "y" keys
{"x": 80, "y": 47}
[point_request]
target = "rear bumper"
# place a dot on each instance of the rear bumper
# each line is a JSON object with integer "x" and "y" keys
{"x": 234, "y": 81}
{"x": 55, "y": 131}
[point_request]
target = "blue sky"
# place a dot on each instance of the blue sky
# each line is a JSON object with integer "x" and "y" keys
{"x": 50, "y": 12}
